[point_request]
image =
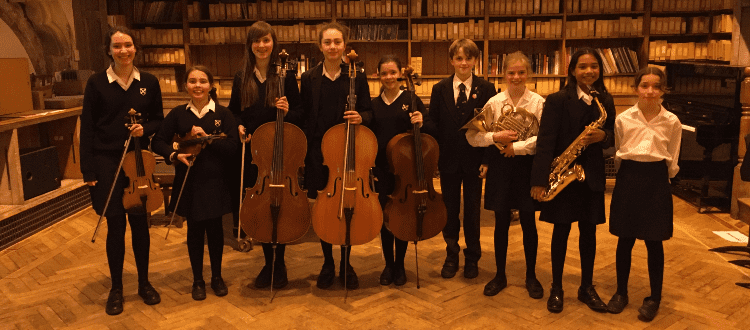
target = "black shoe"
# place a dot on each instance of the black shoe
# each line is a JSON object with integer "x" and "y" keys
{"x": 220, "y": 289}
{"x": 327, "y": 274}
{"x": 471, "y": 270}
{"x": 352, "y": 282}
{"x": 264, "y": 278}
{"x": 199, "y": 290}
{"x": 555, "y": 301}
{"x": 534, "y": 288}
{"x": 589, "y": 297}
{"x": 386, "y": 277}
{"x": 617, "y": 303}
{"x": 399, "y": 278}
{"x": 114, "y": 302}
{"x": 495, "y": 286}
{"x": 279, "y": 277}
{"x": 649, "y": 309}
{"x": 449, "y": 269}
{"x": 149, "y": 294}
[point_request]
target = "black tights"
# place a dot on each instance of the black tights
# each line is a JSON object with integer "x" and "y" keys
{"x": 328, "y": 253}
{"x": 387, "y": 239}
{"x": 214, "y": 231}
{"x": 586, "y": 247}
{"x": 140, "y": 240}
{"x": 268, "y": 253}
{"x": 530, "y": 240}
{"x": 655, "y": 265}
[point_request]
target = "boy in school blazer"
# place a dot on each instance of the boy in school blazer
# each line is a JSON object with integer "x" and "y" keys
{"x": 459, "y": 162}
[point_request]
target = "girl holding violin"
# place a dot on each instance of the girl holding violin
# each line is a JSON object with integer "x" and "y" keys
{"x": 324, "y": 89}
{"x": 254, "y": 102}
{"x": 108, "y": 97}
{"x": 508, "y": 173}
{"x": 205, "y": 194}
{"x": 567, "y": 115}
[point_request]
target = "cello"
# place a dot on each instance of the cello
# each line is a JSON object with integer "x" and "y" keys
{"x": 347, "y": 211}
{"x": 275, "y": 210}
{"x": 415, "y": 211}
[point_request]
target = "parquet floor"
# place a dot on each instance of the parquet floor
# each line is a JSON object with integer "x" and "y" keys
{"x": 59, "y": 279}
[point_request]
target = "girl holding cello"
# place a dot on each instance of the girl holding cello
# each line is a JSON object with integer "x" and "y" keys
{"x": 108, "y": 97}
{"x": 508, "y": 173}
{"x": 391, "y": 116}
{"x": 254, "y": 102}
{"x": 205, "y": 192}
{"x": 324, "y": 89}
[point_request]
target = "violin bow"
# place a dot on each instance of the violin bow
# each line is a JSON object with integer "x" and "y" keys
{"x": 131, "y": 116}
{"x": 242, "y": 187}
{"x": 176, "y": 204}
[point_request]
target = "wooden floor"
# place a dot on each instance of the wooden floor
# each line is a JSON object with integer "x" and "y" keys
{"x": 59, "y": 279}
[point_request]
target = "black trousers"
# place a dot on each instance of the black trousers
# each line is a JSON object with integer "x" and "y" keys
{"x": 140, "y": 240}
{"x": 472, "y": 197}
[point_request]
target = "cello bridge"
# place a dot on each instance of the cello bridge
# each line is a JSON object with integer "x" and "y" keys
{"x": 276, "y": 185}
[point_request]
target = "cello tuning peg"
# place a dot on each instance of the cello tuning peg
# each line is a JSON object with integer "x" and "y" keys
{"x": 418, "y": 83}
{"x": 402, "y": 87}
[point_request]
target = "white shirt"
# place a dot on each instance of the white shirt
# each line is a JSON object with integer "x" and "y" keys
{"x": 583, "y": 96}
{"x": 466, "y": 83}
{"x": 385, "y": 99}
{"x": 260, "y": 77}
{"x": 210, "y": 106}
{"x": 125, "y": 84}
{"x": 653, "y": 141}
{"x": 332, "y": 77}
{"x": 532, "y": 102}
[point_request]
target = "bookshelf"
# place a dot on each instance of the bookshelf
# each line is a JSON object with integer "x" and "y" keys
{"x": 630, "y": 34}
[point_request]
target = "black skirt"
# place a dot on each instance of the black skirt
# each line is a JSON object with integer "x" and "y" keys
{"x": 508, "y": 183}
{"x": 642, "y": 202}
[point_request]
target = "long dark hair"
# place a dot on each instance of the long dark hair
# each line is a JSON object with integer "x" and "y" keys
{"x": 249, "y": 89}
{"x": 201, "y": 68}
{"x": 572, "y": 83}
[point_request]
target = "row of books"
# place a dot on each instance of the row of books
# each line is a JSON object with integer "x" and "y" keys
{"x": 540, "y": 63}
{"x": 416, "y": 63}
{"x": 223, "y": 88}
{"x": 661, "y": 50}
{"x": 541, "y": 86}
{"x": 372, "y": 8}
{"x": 703, "y": 85}
{"x": 678, "y": 25}
{"x": 616, "y": 59}
{"x": 296, "y": 9}
{"x": 167, "y": 79}
{"x": 540, "y": 29}
{"x": 222, "y": 11}
{"x": 221, "y": 35}
{"x": 590, "y": 28}
{"x": 722, "y": 23}
{"x": 450, "y": 31}
{"x": 619, "y": 85}
{"x": 116, "y": 20}
{"x": 691, "y": 5}
{"x": 442, "y": 8}
{"x": 156, "y": 11}
{"x": 376, "y": 32}
{"x": 522, "y": 7}
{"x": 163, "y": 56}
{"x": 149, "y": 36}
{"x": 603, "y": 6}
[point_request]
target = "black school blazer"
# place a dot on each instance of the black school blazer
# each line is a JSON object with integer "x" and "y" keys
{"x": 564, "y": 117}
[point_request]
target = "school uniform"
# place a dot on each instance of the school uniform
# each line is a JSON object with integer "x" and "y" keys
{"x": 507, "y": 182}
{"x": 459, "y": 162}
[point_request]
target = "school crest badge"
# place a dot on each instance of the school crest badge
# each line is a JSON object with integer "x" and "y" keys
{"x": 217, "y": 123}
{"x": 405, "y": 107}
{"x": 143, "y": 91}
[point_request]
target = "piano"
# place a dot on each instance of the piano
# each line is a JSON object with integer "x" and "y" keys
{"x": 706, "y": 99}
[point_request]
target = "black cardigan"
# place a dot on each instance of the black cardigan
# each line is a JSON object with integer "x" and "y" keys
{"x": 105, "y": 113}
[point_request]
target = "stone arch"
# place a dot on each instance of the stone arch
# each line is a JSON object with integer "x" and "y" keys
{"x": 44, "y": 32}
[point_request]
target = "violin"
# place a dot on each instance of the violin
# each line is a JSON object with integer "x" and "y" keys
{"x": 415, "y": 211}
{"x": 142, "y": 195}
{"x": 347, "y": 211}
{"x": 275, "y": 210}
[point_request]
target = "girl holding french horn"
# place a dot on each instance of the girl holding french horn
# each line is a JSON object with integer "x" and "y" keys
{"x": 507, "y": 167}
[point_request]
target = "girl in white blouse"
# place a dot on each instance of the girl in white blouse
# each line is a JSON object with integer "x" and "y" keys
{"x": 647, "y": 138}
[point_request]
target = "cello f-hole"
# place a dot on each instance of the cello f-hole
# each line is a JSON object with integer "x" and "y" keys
{"x": 331, "y": 194}
{"x": 262, "y": 186}
{"x": 362, "y": 183}
{"x": 406, "y": 194}
{"x": 291, "y": 189}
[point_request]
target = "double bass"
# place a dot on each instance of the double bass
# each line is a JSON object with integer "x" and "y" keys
{"x": 347, "y": 211}
{"x": 415, "y": 211}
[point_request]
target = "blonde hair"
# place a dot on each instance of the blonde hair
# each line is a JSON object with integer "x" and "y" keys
{"x": 516, "y": 57}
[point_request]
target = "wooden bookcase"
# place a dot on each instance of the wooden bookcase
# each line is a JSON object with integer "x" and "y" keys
{"x": 212, "y": 33}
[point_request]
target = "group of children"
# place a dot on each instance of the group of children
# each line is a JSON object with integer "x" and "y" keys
{"x": 646, "y": 136}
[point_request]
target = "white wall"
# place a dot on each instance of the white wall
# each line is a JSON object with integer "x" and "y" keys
{"x": 11, "y": 46}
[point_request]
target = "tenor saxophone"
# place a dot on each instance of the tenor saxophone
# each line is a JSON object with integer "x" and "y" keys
{"x": 564, "y": 171}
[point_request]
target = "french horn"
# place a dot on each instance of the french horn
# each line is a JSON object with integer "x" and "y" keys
{"x": 516, "y": 119}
